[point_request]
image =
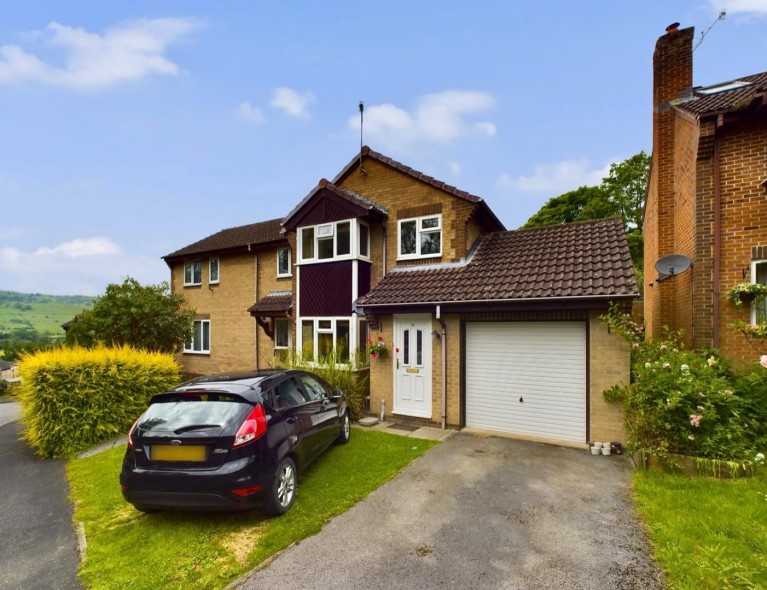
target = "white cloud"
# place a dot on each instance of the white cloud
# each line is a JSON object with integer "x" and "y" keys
{"x": 129, "y": 51}
{"x": 437, "y": 118}
{"x": 555, "y": 179}
{"x": 247, "y": 112}
{"x": 293, "y": 103}
{"x": 740, "y": 7}
{"x": 83, "y": 266}
{"x": 455, "y": 169}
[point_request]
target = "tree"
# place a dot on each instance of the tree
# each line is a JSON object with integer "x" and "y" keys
{"x": 148, "y": 317}
{"x": 622, "y": 194}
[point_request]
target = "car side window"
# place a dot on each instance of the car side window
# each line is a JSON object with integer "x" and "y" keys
{"x": 315, "y": 389}
{"x": 287, "y": 394}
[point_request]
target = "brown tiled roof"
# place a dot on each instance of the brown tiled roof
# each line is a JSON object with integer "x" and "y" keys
{"x": 275, "y": 303}
{"x": 255, "y": 234}
{"x": 369, "y": 153}
{"x": 351, "y": 196}
{"x": 588, "y": 259}
{"x": 727, "y": 100}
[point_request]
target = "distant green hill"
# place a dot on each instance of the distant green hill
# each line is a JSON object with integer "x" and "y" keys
{"x": 44, "y": 314}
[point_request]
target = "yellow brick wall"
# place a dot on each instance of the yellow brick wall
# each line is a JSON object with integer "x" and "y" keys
{"x": 609, "y": 364}
{"x": 268, "y": 282}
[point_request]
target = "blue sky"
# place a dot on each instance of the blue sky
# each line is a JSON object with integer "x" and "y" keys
{"x": 131, "y": 129}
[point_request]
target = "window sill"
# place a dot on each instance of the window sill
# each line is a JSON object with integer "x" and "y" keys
{"x": 197, "y": 352}
{"x": 192, "y": 285}
{"x": 285, "y": 276}
{"x": 411, "y": 258}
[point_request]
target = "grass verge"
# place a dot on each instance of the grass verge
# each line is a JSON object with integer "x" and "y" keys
{"x": 706, "y": 533}
{"x": 128, "y": 549}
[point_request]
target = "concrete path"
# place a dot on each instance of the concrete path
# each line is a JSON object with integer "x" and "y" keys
{"x": 476, "y": 513}
{"x": 38, "y": 546}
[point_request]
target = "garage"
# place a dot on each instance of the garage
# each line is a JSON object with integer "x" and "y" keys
{"x": 527, "y": 378}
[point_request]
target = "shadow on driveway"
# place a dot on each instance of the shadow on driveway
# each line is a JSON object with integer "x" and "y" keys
{"x": 481, "y": 512}
{"x": 38, "y": 546}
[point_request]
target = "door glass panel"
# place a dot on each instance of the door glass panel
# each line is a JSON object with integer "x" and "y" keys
{"x": 314, "y": 388}
{"x": 287, "y": 394}
{"x": 406, "y": 347}
{"x": 419, "y": 348}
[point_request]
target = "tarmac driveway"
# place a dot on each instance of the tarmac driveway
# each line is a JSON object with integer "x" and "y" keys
{"x": 480, "y": 512}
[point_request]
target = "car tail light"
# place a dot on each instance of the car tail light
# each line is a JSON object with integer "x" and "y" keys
{"x": 254, "y": 427}
{"x": 130, "y": 432}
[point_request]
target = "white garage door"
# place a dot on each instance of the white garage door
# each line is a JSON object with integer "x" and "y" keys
{"x": 527, "y": 378}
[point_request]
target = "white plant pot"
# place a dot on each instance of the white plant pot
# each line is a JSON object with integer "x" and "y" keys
{"x": 595, "y": 450}
{"x": 606, "y": 449}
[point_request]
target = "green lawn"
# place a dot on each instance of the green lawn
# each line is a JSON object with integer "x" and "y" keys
{"x": 128, "y": 549}
{"x": 706, "y": 533}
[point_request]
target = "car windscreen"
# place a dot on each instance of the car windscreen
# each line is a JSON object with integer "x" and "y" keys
{"x": 184, "y": 412}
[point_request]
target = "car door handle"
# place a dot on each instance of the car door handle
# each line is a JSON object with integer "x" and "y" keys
{"x": 291, "y": 420}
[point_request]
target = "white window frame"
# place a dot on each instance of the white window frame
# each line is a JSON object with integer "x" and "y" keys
{"x": 289, "y": 273}
{"x": 324, "y": 231}
{"x": 211, "y": 280}
{"x": 190, "y": 347}
{"x": 286, "y": 321}
{"x": 418, "y": 231}
{"x": 754, "y": 265}
{"x": 316, "y": 330}
{"x": 192, "y": 264}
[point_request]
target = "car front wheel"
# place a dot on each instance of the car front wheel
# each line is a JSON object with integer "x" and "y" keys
{"x": 346, "y": 429}
{"x": 283, "y": 491}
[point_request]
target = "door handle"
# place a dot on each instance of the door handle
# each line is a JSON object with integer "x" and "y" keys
{"x": 398, "y": 363}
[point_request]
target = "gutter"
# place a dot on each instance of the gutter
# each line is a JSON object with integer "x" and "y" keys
{"x": 512, "y": 300}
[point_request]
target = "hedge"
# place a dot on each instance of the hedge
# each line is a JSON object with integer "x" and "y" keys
{"x": 73, "y": 398}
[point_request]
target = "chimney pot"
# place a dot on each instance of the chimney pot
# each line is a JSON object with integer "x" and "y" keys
{"x": 672, "y": 28}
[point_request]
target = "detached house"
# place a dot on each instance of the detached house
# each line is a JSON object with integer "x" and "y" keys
{"x": 707, "y": 199}
{"x": 485, "y": 328}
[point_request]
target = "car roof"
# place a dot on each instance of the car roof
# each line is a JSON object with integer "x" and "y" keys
{"x": 246, "y": 383}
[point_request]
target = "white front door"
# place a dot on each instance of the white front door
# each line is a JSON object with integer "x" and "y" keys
{"x": 412, "y": 365}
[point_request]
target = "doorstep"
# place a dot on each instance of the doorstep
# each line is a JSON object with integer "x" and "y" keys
{"x": 423, "y": 432}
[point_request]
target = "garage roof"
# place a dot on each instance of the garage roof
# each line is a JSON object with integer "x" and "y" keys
{"x": 588, "y": 259}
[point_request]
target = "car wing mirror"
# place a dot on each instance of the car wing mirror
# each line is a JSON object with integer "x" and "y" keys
{"x": 337, "y": 394}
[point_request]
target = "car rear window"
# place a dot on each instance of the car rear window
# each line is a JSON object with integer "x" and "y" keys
{"x": 178, "y": 411}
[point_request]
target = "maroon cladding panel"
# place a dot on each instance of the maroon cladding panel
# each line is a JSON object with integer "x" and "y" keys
{"x": 363, "y": 278}
{"x": 329, "y": 208}
{"x": 326, "y": 289}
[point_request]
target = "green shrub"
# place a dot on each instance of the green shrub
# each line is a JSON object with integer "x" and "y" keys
{"x": 350, "y": 376}
{"x": 74, "y": 398}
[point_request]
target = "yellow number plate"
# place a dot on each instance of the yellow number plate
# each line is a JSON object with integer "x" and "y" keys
{"x": 178, "y": 453}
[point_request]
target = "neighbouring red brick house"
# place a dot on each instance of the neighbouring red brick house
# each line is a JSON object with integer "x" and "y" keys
{"x": 707, "y": 199}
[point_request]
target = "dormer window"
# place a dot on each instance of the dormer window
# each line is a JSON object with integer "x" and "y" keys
{"x": 420, "y": 237}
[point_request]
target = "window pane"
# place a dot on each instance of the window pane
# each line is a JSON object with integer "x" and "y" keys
{"x": 342, "y": 339}
{"x": 325, "y": 248}
{"x": 205, "y": 336}
{"x": 429, "y": 222}
{"x": 314, "y": 388}
{"x": 431, "y": 243}
{"x": 406, "y": 347}
{"x": 419, "y": 348}
{"x": 283, "y": 261}
{"x": 188, "y": 272}
{"x": 364, "y": 240}
{"x": 281, "y": 333}
{"x": 343, "y": 239}
{"x": 197, "y": 275}
{"x": 307, "y": 338}
{"x": 325, "y": 344}
{"x": 407, "y": 237}
{"x": 325, "y": 325}
{"x": 197, "y": 337}
{"x": 307, "y": 243}
{"x": 761, "y": 278}
{"x": 213, "y": 270}
{"x": 287, "y": 394}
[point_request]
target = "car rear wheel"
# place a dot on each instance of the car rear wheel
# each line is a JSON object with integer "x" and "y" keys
{"x": 346, "y": 429}
{"x": 283, "y": 491}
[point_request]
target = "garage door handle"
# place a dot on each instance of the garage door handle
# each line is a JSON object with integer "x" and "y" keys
{"x": 521, "y": 400}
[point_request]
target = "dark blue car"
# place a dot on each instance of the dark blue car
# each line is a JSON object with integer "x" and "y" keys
{"x": 231, "y": 441}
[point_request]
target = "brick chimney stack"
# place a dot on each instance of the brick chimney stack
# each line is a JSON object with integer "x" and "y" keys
{"x": 672, "y": 65}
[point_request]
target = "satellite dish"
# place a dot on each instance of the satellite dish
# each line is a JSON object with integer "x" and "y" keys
{"x": 357, "y": 308}
{"x": 671, "y": 265}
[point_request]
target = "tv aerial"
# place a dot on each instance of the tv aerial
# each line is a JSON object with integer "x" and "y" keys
{"x": 672, "y": 265}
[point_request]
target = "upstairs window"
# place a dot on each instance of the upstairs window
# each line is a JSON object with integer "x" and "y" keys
{"x": 283, "y": 262}
{"x": 364, "y": 241}
{"x": 332, "y": 241}
{"x": 213, "y": 271}
{"x": 420, "y": 237}
{"x": 192, "y": 273}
